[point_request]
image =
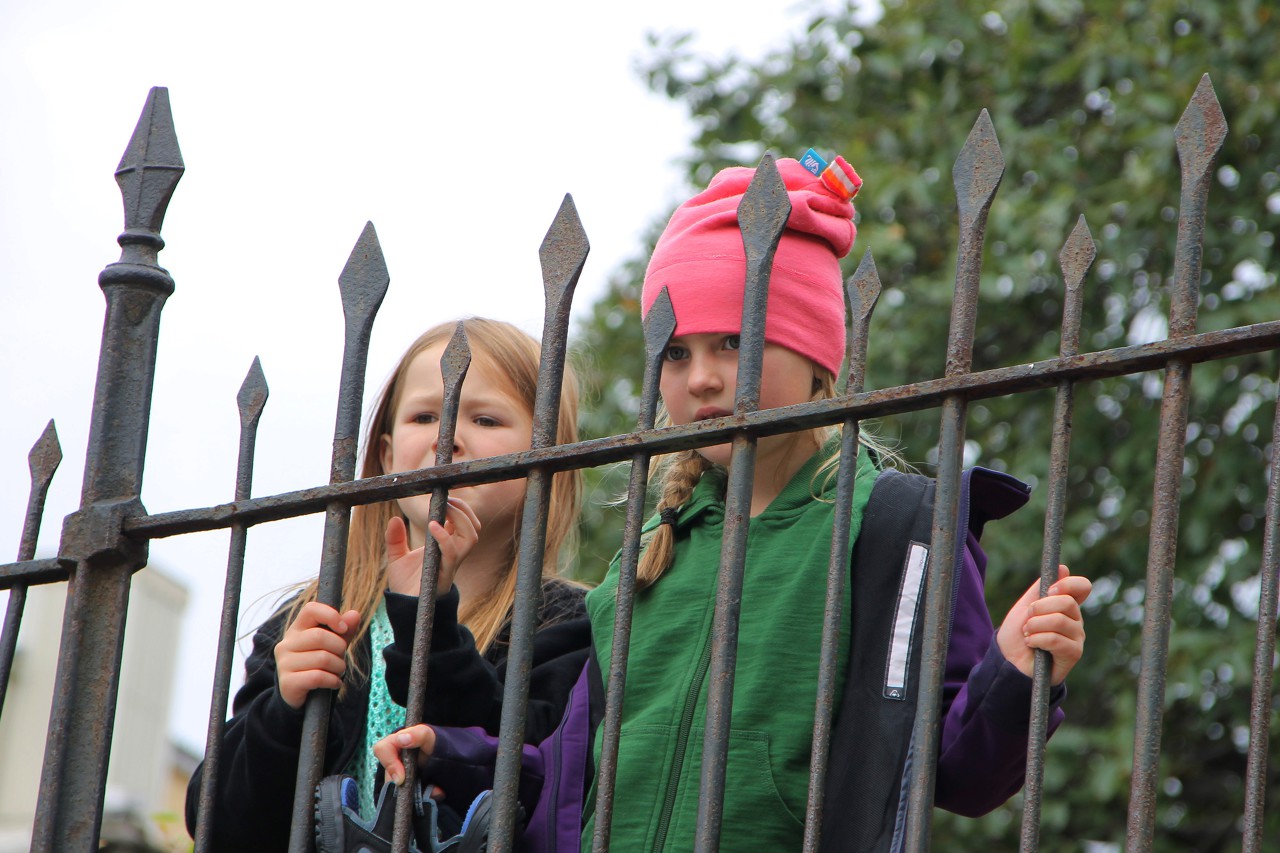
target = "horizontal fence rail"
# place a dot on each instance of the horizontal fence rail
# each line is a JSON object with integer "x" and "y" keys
{"x": 877, "y": 404}
{"x": 104, "y": 542}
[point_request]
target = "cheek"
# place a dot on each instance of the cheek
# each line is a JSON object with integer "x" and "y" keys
{"x": 669, "y": 390}
{"x": 406, "y": 451}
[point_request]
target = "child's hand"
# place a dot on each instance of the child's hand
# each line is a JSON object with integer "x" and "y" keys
{"x": 311, "y": 652}
{"x": 388, "y": 749}
{"x": 456, "y": 537}
{"x": 1053, "y": 623}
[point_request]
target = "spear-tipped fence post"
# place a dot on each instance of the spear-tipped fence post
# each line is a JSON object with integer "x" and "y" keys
{"x": 1260, "y": 704}
{"x": 1199, "y": 136}
{"x": 762, "y": 215}
{"x": 563, "y": 253}
{"x": 862, "y": 291}
{"x": 977, "y": 175}
{"x": 454, "y": 363}
{"x": 659, "y": 326}
{"x": 73, "y": 780}
{"x": 1076, "y": 257}
{"x": 42, "y": 461}
{"x": 250, "y": 401}
{"x": 363, "y": 284}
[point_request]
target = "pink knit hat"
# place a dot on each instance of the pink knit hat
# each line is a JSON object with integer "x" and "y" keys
{"x": 700, "y": 260}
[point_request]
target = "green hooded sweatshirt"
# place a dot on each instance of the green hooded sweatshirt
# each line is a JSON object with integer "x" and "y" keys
{"x": 664, "y": 716}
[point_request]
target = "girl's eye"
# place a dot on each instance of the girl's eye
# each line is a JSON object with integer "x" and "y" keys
{"x": 425, "y": 418}
{"x": 486, "y": 421}
{"x": 731, "y": 342}
{"x": 675, "y": 352}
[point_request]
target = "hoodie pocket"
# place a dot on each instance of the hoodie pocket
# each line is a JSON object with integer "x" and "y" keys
{"x": 755, "y": 814}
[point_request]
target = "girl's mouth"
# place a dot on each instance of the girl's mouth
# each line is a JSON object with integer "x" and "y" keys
{"x": 707, "y": 412}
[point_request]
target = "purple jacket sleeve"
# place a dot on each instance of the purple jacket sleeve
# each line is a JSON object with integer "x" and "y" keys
{"x": 462, "y": 764}
{"x": 553, "y": 774}
{"x": 986, "y": 705}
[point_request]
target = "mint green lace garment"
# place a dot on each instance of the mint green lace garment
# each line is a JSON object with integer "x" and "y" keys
{"x": 384, "y": 716}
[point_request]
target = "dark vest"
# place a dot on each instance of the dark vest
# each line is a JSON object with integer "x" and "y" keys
{"x": 864, "y": 805}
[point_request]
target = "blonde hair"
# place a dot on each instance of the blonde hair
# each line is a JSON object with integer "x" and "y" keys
{"x": 511, "y": 357}
{"x": 677, "y": 475}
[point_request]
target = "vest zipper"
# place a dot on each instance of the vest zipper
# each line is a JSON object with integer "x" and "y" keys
{"x": 682, "y": 745}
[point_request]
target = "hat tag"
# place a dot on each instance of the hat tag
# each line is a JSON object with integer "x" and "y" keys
{"x": 813, "y": 162}
{"x": 832, "y": 176}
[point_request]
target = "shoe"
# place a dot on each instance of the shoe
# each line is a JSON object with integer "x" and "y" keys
{"x": 340, "y": 829}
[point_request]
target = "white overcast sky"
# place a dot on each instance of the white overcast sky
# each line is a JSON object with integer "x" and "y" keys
{"x": 455, "y": 128}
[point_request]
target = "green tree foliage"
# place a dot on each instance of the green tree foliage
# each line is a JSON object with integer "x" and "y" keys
{"x": 1084, "y": 98}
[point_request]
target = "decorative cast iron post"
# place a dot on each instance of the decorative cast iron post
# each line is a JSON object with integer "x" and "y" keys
{"x": 72, "y": 784}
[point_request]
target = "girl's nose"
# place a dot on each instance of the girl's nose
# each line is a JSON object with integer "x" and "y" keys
{"x": 704, "y": 376}
{"x": 457, "y": 448}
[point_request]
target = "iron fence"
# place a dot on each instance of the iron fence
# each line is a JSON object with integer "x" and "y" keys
{"x": 105, "y": 541}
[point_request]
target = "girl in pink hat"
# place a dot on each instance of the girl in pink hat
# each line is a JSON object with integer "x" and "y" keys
{"x": 699, "y": 261}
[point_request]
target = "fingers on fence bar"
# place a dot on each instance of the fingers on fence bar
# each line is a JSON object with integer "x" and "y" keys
{"x": 454, "y": 363}
{"x": 363, "y": 284}
{"x": 1263, "y": 659}
{"x": 1198, "y": 136}
{"x": 42, "y": 461}
{"x": 862, "y": 290}
{"x": 1075, "y": 258}
{"x": 762, "y": 215}
{"x": 659, "y": 326}
{"x": 977, "y": 174}
{"x": 251, "y": 400}
{"x": 563, "y": 254}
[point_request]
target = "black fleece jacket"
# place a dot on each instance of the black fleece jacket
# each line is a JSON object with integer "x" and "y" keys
{"x": 253, "y": 799}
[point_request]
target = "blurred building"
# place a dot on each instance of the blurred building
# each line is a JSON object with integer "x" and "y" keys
{"x": 147, "y": 774}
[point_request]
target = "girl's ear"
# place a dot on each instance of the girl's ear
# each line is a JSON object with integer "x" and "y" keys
{"x": 384, "y": 452}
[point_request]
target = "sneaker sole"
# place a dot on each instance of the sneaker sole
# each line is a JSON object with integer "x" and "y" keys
{"x": 330, "y": 837}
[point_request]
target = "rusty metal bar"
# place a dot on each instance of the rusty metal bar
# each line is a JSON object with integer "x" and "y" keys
{"x": 1076, "y": 257}
{"x": 899, "y": 399}
{"x": 563, "y": 254}
{"x": 42, "y": 461}
{"x": 250, "y": 402}
{"x": 762, "y": 215}
{"x": 977, "y": 174}
{"x": 659, "y": 326}
{"x": 1255, "y": 775}
{"x": 1199, "y": 136}
{"x": 73, "y": 781}
{"x": 454, "y": 363}
{"x": 36, "y": 572}
{"x": 862, "y": 291}
{"x": 363, "y": 284}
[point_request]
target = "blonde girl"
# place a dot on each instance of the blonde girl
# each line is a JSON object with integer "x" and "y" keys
{"x": 362, "y": 649}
